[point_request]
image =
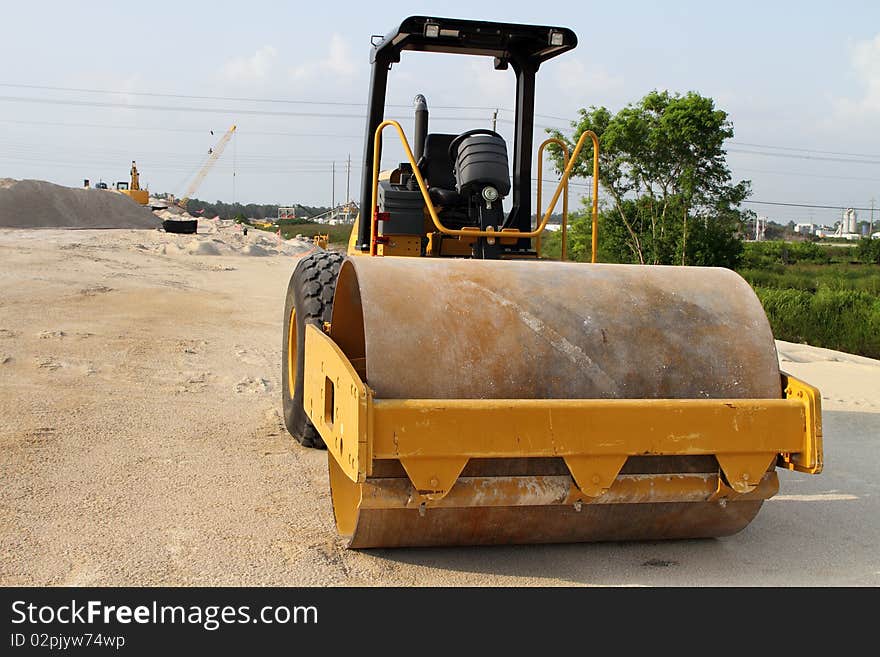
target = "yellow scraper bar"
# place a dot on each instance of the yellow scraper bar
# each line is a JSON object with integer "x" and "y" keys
{"x": 434, "y": 439}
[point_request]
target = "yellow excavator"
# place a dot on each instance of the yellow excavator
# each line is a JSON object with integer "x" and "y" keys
{"x": 321, "y": 240}
{"x": 133, "y": 188}
{"x": 469, "y": 392}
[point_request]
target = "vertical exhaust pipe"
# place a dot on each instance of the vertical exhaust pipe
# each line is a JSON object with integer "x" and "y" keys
{"x": 421, "y": 126}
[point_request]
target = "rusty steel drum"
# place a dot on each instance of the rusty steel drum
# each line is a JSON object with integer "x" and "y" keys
{"x": 417, "y": 328}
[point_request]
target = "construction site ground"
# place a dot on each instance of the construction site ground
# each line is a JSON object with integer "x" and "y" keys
{"x": 141, "y": 442}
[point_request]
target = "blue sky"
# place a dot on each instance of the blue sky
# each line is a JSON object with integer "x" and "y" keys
{"x": 800, "y": 80}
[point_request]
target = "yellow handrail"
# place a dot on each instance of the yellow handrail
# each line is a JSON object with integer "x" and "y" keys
{"x": 564, "y": 147}
{"x": 595, "y": 209}
{"x": 516, "y": 234}
{"x": 564, "y": 179}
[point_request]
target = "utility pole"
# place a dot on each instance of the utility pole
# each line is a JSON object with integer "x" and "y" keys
{"x": 494, "y": 120}
{"x": 872, "y": 216}
{"x": 332, "y": 187}
{"x": 348, "y": 179}
{"x": 347, "y": 188}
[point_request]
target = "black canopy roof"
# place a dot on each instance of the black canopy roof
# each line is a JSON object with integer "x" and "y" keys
{"x": 504, "y": 41}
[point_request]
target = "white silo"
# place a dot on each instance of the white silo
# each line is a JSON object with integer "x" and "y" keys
{"x": 852, "y": 221}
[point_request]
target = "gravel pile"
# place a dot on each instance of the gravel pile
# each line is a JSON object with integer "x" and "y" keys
{"x": 41, "y": 204}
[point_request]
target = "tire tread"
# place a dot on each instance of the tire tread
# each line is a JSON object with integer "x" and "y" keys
{"x": 315, "y": 275}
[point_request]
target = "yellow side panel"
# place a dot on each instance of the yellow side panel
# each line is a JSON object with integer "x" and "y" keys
{"x": 455, "y": 247}
{"x": 353, "y": 238}
{"x": 338, "y": 403}
{"x": 401, "y": 245}
{"x": 810, "y": 458}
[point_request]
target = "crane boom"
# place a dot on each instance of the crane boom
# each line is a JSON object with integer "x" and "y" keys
{"x": 214, "y": 155}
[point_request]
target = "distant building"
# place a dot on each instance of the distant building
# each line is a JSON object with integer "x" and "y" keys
{"x": 805, "y": 229}
{"x": 851, "y": 221}
{"x": 760, "y": 228}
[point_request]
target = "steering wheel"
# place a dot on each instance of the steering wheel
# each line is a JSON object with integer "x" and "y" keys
{"x": 453, "y": 145}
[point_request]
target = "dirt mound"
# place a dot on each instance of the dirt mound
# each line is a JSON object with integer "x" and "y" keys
{"x": 173, "y": 212}
{"x": 197, "y": 247}
{"x": 41, "y": 204}
{"x": 254, "y": 250}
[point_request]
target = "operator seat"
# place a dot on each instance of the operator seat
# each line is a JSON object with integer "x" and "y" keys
{"x": 437, "y": 169}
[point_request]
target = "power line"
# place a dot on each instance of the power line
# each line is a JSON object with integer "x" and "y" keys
{"x": 800, "y": 174}
{"x": 48, "y": 153}
{"x": 100, "y": 126}
{"x": 183, "y": 96}
{"x": 210, "y": 110}
{"x": 80, "y": 164}
{"x": 285, "y": 101}
{"x": 806, "y": 205}
{"x": 804, "y": 157}
{"x": 291, "y": 101}
{"x": 802, "y": 150}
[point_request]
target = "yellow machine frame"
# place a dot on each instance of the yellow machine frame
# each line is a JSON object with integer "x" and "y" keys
{"x": 594, "y": 436}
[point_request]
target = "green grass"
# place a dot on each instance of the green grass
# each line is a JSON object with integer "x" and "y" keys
{"x": 813, "y": 278}
{"x": 817, "y": 294}
{"x": 551, "y": 244}
{"x": 844, "y": 320}
{"x": 764, "y": 254}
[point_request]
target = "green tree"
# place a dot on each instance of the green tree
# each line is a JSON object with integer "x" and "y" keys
{"x": 663, "y": 165}
{"x": 868, "y": 250}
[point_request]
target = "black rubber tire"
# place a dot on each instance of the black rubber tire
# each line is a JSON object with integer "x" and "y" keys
{"x": 310, "y": 294}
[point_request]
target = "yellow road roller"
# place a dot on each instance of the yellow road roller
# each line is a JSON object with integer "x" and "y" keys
{"x": 469, "y": 392}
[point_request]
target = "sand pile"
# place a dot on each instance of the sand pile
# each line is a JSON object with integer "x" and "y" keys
{"x": 226, "y": 243}
{"x": 172, "y": 212}
{"x": 204, "y": 247}
{"x": 41, "y": 204}
{"x": 223, "y": 238}
{"x": 254, "y": 250}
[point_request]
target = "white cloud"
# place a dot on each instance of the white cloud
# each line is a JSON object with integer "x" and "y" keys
{"x": 338, "y": 62}
{"x": 572, "y": 76}
{"x": 865, "y": 62}
{"x": 491, "y": 87}
{"x": 248, "y": 69}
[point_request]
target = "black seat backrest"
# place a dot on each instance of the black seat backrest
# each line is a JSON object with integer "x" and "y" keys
{"x": 435, "y": 165}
